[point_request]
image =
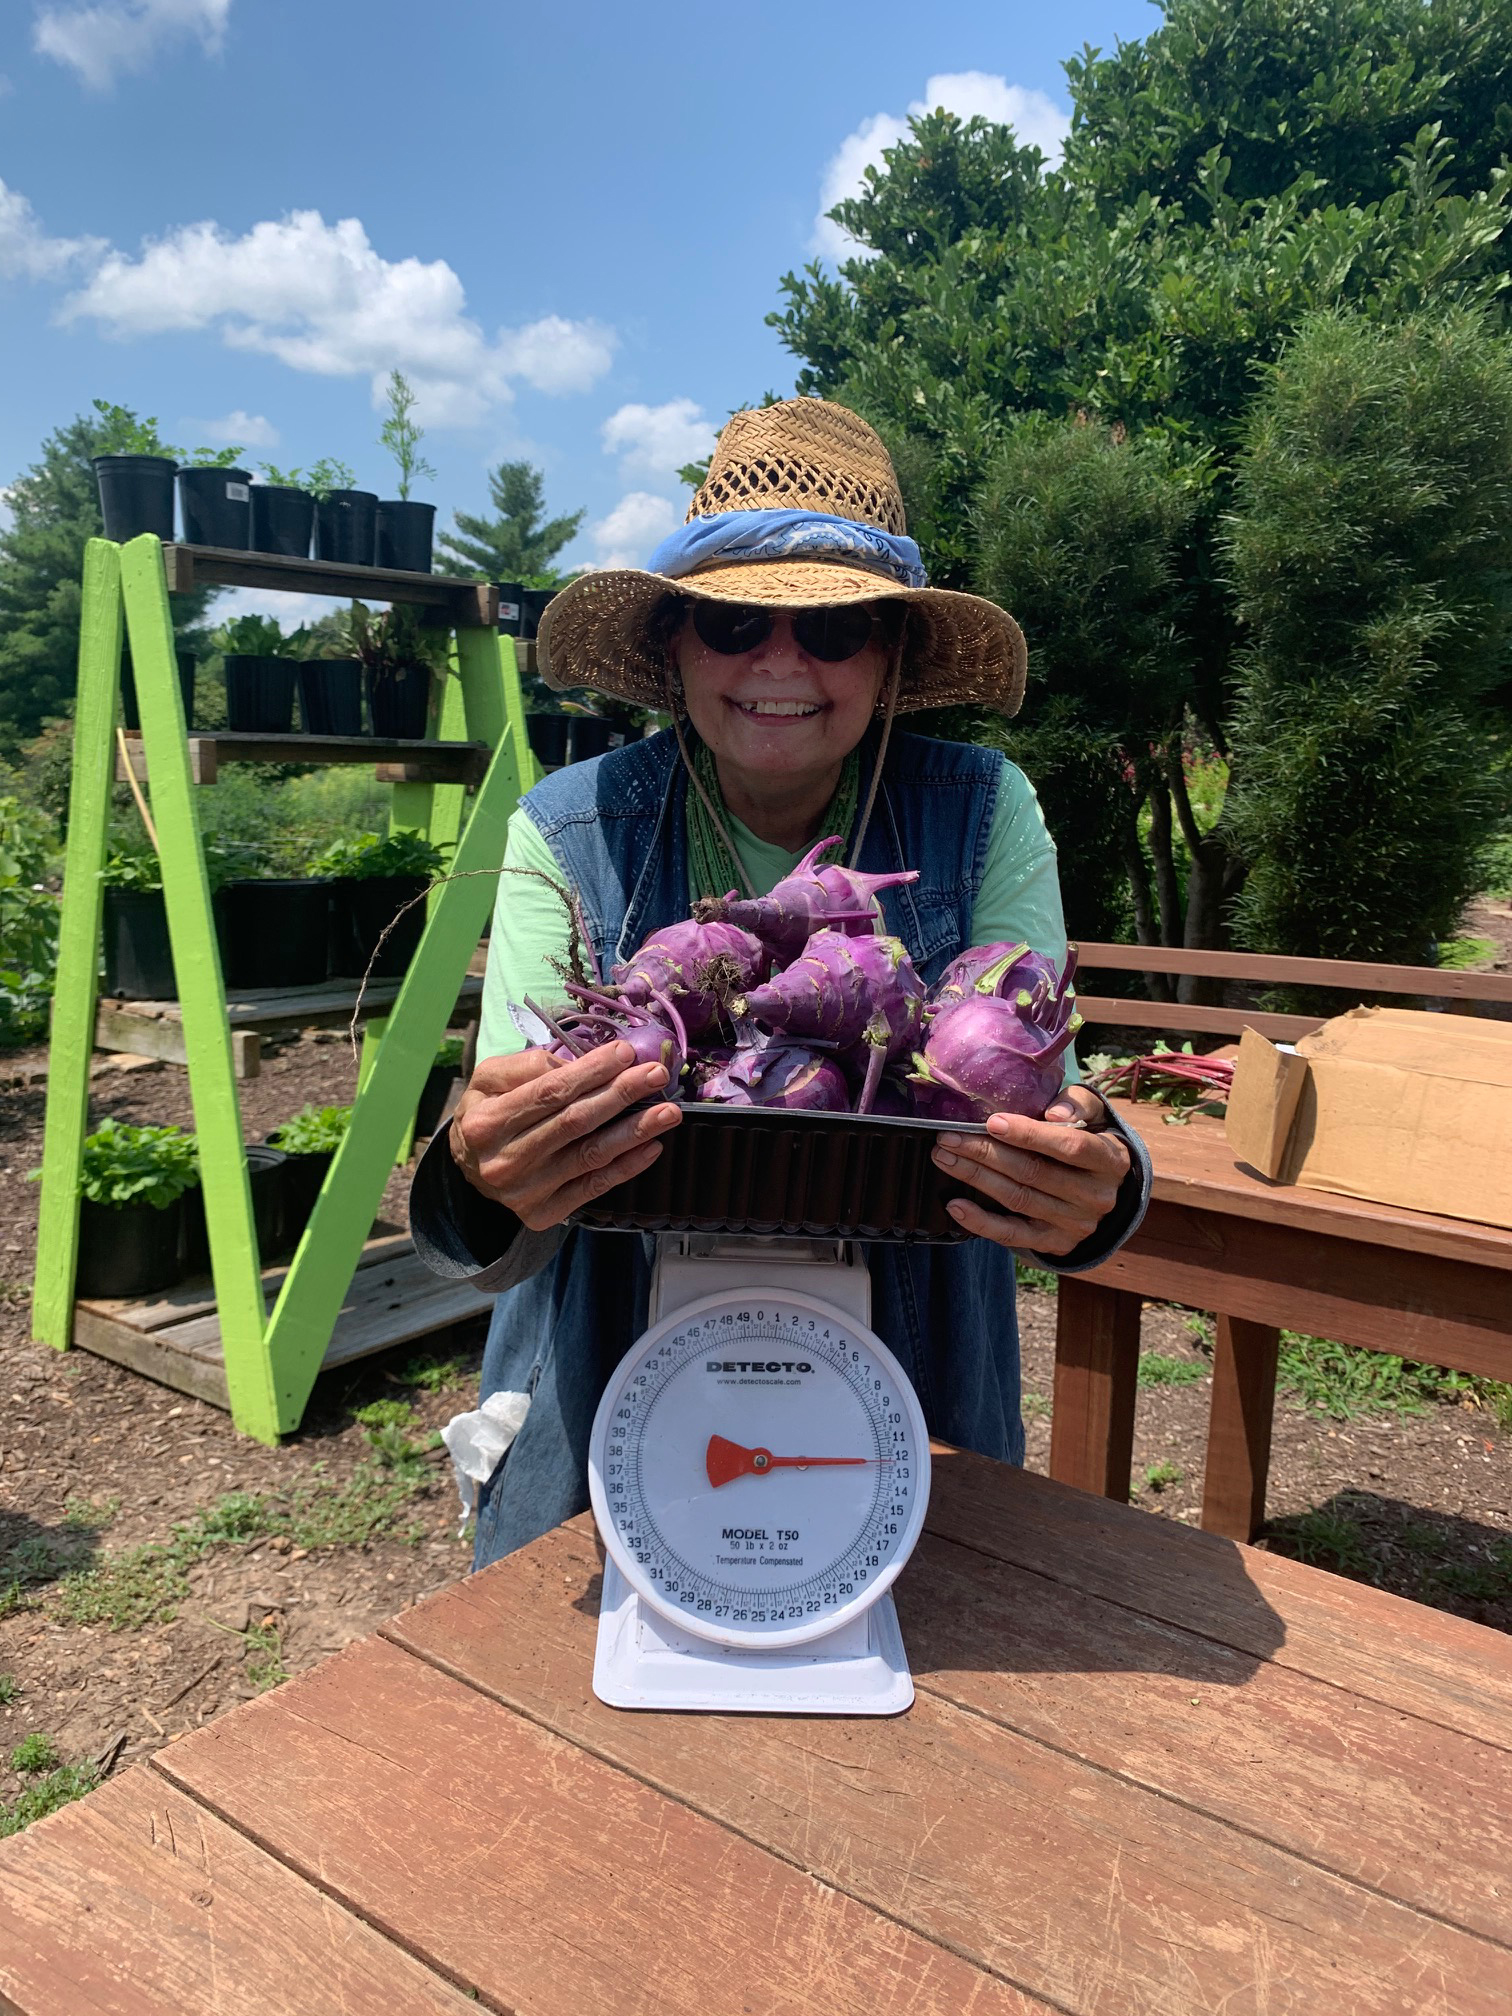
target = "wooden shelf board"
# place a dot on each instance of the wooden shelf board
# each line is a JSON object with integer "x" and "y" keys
{"x": 290, "y": 1007}
{"x": 174, "y": 1337}
{"x": 397, "y": 762}
{"x": 473, "y": 605}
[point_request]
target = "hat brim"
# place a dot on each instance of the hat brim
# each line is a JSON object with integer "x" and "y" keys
{"x": 960, "y": 650}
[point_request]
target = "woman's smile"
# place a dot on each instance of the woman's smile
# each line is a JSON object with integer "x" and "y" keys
{"x": 778, "y": 710}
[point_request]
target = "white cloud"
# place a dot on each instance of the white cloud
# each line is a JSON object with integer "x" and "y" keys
{"x": 637, "y": 523}
{"x": 290, "y": 612}
{"x": 321, "y": 299}
{"x": 115, "y": 37}
{"x": 26, "y": 251}
{"x": 1037, "y": 120}
{"x": 659, "y": 439}
{"x": 248, "y": 430}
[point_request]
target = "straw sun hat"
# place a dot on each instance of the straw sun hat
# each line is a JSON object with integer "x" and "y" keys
{"x": 800, "y": 508}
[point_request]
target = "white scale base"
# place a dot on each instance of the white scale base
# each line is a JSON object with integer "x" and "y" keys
{"x": 644, "y": 1661}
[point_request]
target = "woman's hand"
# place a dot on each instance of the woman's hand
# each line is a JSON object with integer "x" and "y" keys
{"x": 1049, "y": 1185}
{"x": 545, "y": 1138}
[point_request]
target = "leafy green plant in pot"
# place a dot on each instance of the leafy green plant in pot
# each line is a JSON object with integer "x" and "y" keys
{"x": 131, "y": 712}
{"x": 265, "y": 1179}
{"x": 405, "y": 529}
{"x": 274, "y": 931}
{"x": 131, "y": 1210}
{"x": 308, "y": 1142}
{"x": 346, "y": 520}
{"x": 134, "y": 471}
{"x": 283, "y": 513}
{"x": 399, "y": 658}
{"x": 215, "y": 499}
{"x": 138, "y": 955}
{"x": 375, "y": 879}
{"x": 259, "y": 675}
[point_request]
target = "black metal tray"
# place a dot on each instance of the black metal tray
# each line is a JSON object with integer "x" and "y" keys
{"x": 815, "y": 1175}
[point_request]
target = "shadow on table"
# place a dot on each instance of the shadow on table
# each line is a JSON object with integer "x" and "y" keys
{"x": 1016, "y": 1574}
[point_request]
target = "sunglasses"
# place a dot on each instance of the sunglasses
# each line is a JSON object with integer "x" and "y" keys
{"x": 830, "y": 635}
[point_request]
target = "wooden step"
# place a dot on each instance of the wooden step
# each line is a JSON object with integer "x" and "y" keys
{"x": 174, "y": 1337}
{"x": 395, "y": 761}
{"x": 470, "y": 605}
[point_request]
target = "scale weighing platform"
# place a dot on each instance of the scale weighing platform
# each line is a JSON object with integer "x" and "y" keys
{"x": 759, "y": 1471}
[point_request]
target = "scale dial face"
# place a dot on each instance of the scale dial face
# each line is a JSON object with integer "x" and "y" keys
{"x": 759, "y": 1467}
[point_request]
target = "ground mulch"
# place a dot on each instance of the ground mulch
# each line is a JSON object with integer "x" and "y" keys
{"x": 95, "y": 1460}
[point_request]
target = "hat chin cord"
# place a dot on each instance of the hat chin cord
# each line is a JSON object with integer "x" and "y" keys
{"x": 894, "y": 683}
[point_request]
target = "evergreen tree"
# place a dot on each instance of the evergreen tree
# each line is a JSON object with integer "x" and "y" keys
{"x": 515, "y": 545}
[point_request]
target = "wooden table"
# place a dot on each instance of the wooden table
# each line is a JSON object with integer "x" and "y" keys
{"x": 1261, "y": 1256}
{"x": 1147, "y": 1771}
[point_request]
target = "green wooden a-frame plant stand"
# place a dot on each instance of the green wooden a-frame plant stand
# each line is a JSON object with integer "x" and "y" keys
{"x": 270, "y": 1359}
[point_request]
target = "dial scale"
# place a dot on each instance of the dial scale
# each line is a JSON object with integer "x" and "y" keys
{"x": 759, "y": 1470}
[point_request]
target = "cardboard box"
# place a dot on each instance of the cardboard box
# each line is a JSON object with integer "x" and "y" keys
{"x": 1387, "y": 1104}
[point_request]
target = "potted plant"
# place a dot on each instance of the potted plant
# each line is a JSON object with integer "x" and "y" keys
{"x": 590, "y": 734}
{"x": 134, "y": 471}
{"x": 533, "y": 607}
{"x": 308, "y": 1143}
{"x": 215, "y": 499}
{"x": 398, "y": 658}
{"x": 511, "y": 607}
{"x": 375, "y": 879}
{"x": 436, "y": 1090}
{"x": 346, "y": 520}
{"x": 138, "y": 956}
{"x": 131, "y": 1192}
{"x": 405, "y": 529}
{"x": 274, "y": 931}
{"x": 283, "y": 513}
{"x": 548, "y": 738}
{"x": 259, "y": 675}
{"x": 330, "y": 683}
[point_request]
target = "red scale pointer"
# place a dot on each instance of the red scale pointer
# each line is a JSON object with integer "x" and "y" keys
{"x": 727, "y": 1461}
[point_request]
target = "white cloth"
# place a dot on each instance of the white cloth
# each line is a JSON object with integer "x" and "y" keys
{"x": 477, "y": 1442}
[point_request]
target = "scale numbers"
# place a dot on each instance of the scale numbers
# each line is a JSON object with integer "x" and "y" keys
{"x": 759, "y": 1468}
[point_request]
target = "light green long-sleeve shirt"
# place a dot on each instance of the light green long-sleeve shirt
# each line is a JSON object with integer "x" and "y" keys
{"x": 1019, "y": 899}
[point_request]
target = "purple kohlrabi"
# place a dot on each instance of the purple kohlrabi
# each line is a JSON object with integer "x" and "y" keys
{"x": 998, "y": 969}
{"x": 843, "y": 991}
{"x": 805, "y": 901}
{"x": 779, "y": 1074}
{"x": 699, "y": 966}
{"x": 656, "y": 1033}
{"x": 987, "y": 1054}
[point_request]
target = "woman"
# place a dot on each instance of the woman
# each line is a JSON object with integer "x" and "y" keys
{"x": 784, "y": 627}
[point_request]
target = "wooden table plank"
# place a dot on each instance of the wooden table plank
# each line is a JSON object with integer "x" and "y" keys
{"x": 554, "y": 1883}
{"x": 137, "y": 1902}
{"x": 1079, "y": 1887}
{"x": 1361, "y": 1640}
{"x": 1418, "y": 1812}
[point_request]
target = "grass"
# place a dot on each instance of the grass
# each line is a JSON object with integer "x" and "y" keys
{"x": 1463, "y": 955}
{"x": 35, "y": 1753}
{"x": 1156, "y": 1369}
{"x": 1036, "y": 1406}
{"x": 1326, "y": 1538}
{"x": 264, "y": 1655}
{"x": 435, "y": 1375}
{"x": 46, "y": 1794}
{"x": 1161, "y": 1474}
{"x": 146, "y": 1584}
{"x": 1038, "y": 1278}
{"x": 1342, "y": 1382}
{"x": 88, "y": 1515}
{"x": 9, "y": 1689}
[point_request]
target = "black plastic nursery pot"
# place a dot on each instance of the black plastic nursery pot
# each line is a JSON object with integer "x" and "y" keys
{"x": 136, "y": 495}
{"x": 259, "y": 694}
{"x": 138, "y": 956}
{"x": 360, "y": 912}
{"x": 346, "y": 527}
{"x": 511, "y": 607}
{"x": 548, "y": 738}
{"x": 129, "y": 1249}
{"x": 129, "y": 706}
{"x": 274, "y": 933}
{"x": 283, "y": 520}
{"x": 330, "y": 696}
{"x": 532, "y": 608}
{"x": 434, "y": 1094}
{"x": 302, "y": 1176}
{"x": 399, "y": 702}
{"x": 265, "y": 1176}
{"x": 589, "y": 736}
{"x": 405, "y": 532}
{"x": 216, "y": 507}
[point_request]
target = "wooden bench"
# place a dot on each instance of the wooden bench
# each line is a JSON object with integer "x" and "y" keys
{"x": 1461, "y": 993}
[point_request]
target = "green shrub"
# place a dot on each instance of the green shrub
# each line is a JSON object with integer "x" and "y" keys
{"x": 28, "y": 922}
{"x": 314, "y": 1131}
{"x": 34, "y": 1753}
{"x": 138, "y": 1165}
{"x": 373, "y": 855}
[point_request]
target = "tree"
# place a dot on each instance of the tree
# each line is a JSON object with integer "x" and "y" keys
{"x": 514, "y": 545}
{"x": 1232, "y": 175}
{"x": 1371, "y": 552}
{"x": 401, "y": 434}
{"x": 54, "y": 508}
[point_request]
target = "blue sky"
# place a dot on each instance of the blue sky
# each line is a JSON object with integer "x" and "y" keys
{"x": 565, "y": 225}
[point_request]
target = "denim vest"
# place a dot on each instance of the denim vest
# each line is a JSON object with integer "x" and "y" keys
{"x": 617, "y": 828}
